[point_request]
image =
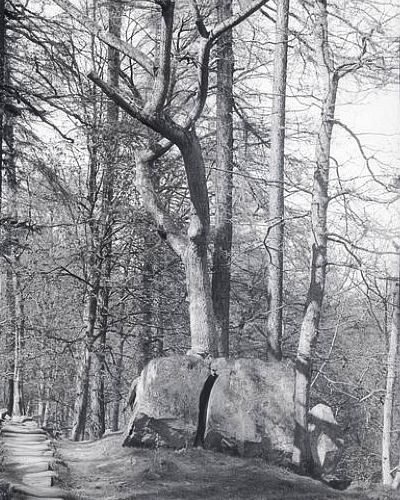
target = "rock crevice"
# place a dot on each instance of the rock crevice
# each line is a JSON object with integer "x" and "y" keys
{"x": 241, "y": 406}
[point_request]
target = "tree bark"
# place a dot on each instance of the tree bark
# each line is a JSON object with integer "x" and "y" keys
{"x": 10, "y": 340}
{"x": 98, "y": 410}
{"x": 153, "y": 115}
{"x": 18, "y": 408}
{"x": 223, "y": 180}
{"x": 82, "y": 395}
{"x": 117, "y": 380}
{"x": 202, "y": 324}
{"x": 146, "y": 329}
{"x": 14, "y": 289}
{"x": 387, "y": 479}
{"x": 276, "y": 213}
{"x": 3, "y": 29}
{"x": 192, "y": 247}
{"x": 319, "y": 210}
{"x": 90, "y": 317}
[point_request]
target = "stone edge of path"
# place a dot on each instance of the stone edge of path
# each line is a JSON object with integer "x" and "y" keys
{"x": 10, "y": 489}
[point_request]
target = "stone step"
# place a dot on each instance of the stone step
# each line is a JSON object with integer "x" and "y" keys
{"x": 43, "y": 498}
{"x": 18, "y": 429}
{"x": 43, "y": 478}
{"x": 22, "y": 444}
{"x": 33, "y": 436}
{"x": 28, "y": 453}
{"x": 37, "y": 492}
{"x": 38, "y": 483}
{"x": 28, "y": 467}
{"x": 20, "y": 455}
{"x": 29, "y": 442}
{"x": 30, "y": 460}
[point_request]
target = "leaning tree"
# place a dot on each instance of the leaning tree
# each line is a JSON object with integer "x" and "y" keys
{"x": 174, "y": 126}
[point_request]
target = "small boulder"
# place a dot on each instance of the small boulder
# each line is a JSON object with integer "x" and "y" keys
{"x": 250, "y": 411}
{"x": 166, "y": 403}
{"x": 325, "y": 439}
{"x": 4, "y": 414}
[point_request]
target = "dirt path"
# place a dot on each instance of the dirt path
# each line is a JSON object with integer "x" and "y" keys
{"x": 28, "y": 462}
{"x": 105, "y": 470}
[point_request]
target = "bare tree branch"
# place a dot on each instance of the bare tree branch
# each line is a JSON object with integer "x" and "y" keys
{"x": 235, "y": 20}
{"x": 94, "y": 29}
{"x": 163, "y": 71}
{"x": 171, "y": 231}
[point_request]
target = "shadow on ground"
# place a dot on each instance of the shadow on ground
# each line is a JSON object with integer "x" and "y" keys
{"x": 105, "y": 470}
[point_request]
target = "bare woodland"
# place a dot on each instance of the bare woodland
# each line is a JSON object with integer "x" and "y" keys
{"x": 211, "y": 179}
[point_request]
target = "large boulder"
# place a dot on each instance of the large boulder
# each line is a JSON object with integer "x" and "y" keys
{"x": 250, "y": 410}
{"x": 325, "y": 439}
{"x": 165, "y": 399}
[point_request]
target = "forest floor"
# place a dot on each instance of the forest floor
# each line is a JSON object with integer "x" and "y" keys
{"x": 104, "y": 470}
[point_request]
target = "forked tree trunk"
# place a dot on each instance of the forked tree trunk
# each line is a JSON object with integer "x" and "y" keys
{"x": 276, "y": 184}
{"x": 319, "y": 211}
{"x": 154, "y": 115}
{"x": 221, "y": 265}
{"x": 392, "y": 361}
{"x": 192, "y": 246}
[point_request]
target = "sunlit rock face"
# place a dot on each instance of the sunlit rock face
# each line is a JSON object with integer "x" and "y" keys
{"x": 250, "y": 410}
{"x": 166, "y": 407}
{"x": 325, "y": 439}
{"x": 240, "y": 406}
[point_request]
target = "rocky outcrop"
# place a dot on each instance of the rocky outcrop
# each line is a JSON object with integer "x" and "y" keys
{"x": 325, "y": 439}
{"x": 250, "y": 411}
{"x": 238, "y": 406}
{"x": 165, "y": 408}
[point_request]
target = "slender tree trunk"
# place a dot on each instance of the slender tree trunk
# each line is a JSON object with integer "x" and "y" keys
{"x": 146, "y": 330}
{"x": 18, "y": 407}
{"x": 3, "y": 28}
{"x": 3, "y": 31}
{"x": 221, "y": 267}
{"x": 47, "y": 413}
{"x": 82, "y": 395}
{"x": 14, "y": 288}
{"x": 319, "y": 210}
{"x": 97, "y": 399}
{"x": 392, "y": 361}
{"x": 98, "y": 363}
{"x": 276, "y": 183}
{"x": 98, "y": 410}
{"x": 11, "y": 329}
{"x": 117, "y": 382}
{"x": 85, "y": 361}
{"x": 41, "y": 406}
